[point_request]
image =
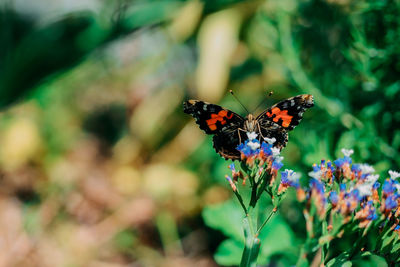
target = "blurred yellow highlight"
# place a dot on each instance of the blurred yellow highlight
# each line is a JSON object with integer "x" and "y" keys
{"x": 20, "y": 143}
{"x": 218, "y": 38}
{"x": 126, "y": 180}
{"x": 186, "y": 20}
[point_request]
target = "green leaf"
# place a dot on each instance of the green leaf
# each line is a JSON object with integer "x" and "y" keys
{"x": 150, "y": 13}
{"x": 341, "y": 260}
{"x": 388, "y": 243}
{"x": 395, "y": 248}
{"x": 276, "y": 238}
{"x": 369, "y": 261}
{"x": 252, "y": 245}
{"x": 229, "y": 252}
{"x": 226, "y": 217}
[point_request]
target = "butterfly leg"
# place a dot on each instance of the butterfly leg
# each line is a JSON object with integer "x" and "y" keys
{"x": 240, "y": 137}
{"x": 259, "y": 130}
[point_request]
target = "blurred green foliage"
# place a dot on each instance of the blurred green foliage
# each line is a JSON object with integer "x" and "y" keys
{"x": 100, "y": 91}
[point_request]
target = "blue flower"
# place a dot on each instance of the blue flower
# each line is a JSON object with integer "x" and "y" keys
{"x": 249, "y": 148}
{"x": 388, "y": 187}
{"x": 266, "y": 148}
{"x": 356, "y": 168}
{"x": 372, "y": 215}
{"x": 329, "y": 165}
{"x": 333, "y": 197}
{"x": 317, "y": 185}
{"x": 290, "y": 178}
{"x": 232, "y": 167}
{"x": 276, "y": 165}
{"x": 342, "y": 161}
{"x": 342, "y": 187}
{"x": 390, "y": 203}
{"x": 376, "y": 185}
{"x": 316, "y": 168}
{"x": 355, "y": 193}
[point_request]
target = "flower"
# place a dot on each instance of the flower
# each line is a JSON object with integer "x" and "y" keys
{"x": 334, "y": 198}
{"x": 251, "y": 135}
{"x": 275, "y": 152}
{"x": 270, "y": 140}
{"x": 347, "y": 152}
{"x": 323, "y": 172}
{"x": 318, "y": 194}
{"x": 390, "y": 203}
{"x": 366, "y": 214}
{"x": 372, "y": 178}
{"x": 288, "y": 178}
{"x": 388, "y": 187}
{"x": 236, "y": 174}
{"x": 353, "y": 191}
{"x": 232, "y": 167}
{"x": 394, "y": 174}
{"x": 366, "y": 169}
{"x": 249, "y": 149}
{"x": 316, "y": 174}
{"x": 253, "y": 145}
{"x": 231, "y": 183}
{"x": 342, "y": 161}
{"x": 365, "y": 189}
{"x": 343, "y": 165}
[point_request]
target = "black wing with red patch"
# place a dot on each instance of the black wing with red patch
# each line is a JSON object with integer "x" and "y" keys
{"x": 287, "y": 113}
{"x": 282, "y": 117}
{"x": 222, "y": 123}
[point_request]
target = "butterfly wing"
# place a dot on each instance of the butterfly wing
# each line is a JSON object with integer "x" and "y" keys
{"x": 222, "y": 123}
{"x": 283, "y": 117}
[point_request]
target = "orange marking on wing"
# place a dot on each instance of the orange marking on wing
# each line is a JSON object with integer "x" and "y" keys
{"x": 280, "y": 114}
{"x": 218, "y": 117}
{"x": 212, "y": 127}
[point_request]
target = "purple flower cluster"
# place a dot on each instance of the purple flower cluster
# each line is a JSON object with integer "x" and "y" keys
{"x": 264, "y": 161}
{"x": 264, "y": 154}
{"x": 390, "y": 202}
{"x": 352, "y": 191}
{"x": 289, "y": 178}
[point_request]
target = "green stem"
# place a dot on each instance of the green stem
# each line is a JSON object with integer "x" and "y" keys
{"x": 168, "y": 233}
{"x": 302, "y": 259}
{"x": 273, "y": 211}
{"x": 251, "y": 246}
{"x": 324, "y": 247}
{"x": 263, "y": 185}
{"x": 239, "y": 197}
{"x": 253, "y": 199}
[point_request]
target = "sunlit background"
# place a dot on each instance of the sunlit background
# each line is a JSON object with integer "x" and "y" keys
{"x": 99, "y": 166}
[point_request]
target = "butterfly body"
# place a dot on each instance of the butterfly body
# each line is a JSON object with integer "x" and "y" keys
{"x": 229, "y": 129}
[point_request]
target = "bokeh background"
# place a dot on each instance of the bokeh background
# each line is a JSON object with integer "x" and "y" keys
{"x": 99, "y": 166}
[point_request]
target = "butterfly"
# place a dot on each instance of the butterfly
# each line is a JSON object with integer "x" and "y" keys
{"x": 229, "y": 129}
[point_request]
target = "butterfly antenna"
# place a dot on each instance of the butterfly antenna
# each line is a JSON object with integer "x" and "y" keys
{"x": 230, "y": 91}
{"x": 262, "y": 102}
